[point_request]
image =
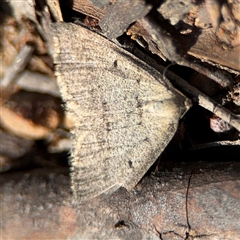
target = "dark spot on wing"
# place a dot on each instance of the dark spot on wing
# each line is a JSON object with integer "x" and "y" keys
{"x": 130, "y": 164}
{"x": 121, "y": 224}
{"x": 115, "y": 63}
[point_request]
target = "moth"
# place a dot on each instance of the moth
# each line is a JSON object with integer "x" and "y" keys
{"x": 124, "y": 113}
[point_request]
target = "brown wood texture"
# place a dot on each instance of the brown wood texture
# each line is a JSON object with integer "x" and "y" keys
{"x": 173, "y": 205}
{"x": 201, "y": 30}
{"x": 206, "y": 49}
{"x": 120, "y": 15}
{"x": 86, "y": 6}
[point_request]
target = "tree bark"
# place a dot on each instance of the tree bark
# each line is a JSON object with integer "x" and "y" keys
{"x": 178, "y": 204}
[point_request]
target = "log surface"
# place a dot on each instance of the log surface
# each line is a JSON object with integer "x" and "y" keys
{"x": 176, "y": 204}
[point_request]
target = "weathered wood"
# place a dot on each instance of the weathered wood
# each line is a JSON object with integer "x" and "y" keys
{"x": 120, "y": 15}
{"x": 88, "y": 8}
{"x": 177, "y": 52}
{"x": 203, "y": 17}
{"x": 172, "y": 205}
{"x": 206, "y": 49}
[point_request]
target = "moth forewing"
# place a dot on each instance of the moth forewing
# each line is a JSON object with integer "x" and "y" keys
{"x": 125, "y": 113}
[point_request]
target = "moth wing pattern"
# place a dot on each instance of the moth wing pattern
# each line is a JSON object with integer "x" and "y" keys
{"x": 125, "y": 114}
